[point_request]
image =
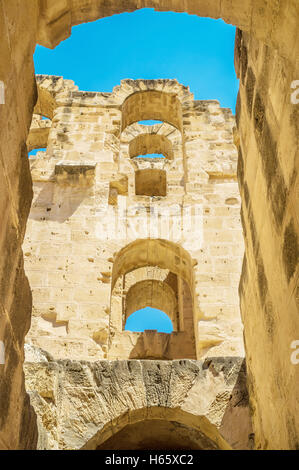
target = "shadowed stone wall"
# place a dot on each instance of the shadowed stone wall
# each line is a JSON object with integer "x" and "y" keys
{"x": 268, "y": 178}
{"x": 17, "y": 31}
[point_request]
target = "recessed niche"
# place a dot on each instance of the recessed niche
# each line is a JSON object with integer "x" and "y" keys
{"x": 150, "y": 182}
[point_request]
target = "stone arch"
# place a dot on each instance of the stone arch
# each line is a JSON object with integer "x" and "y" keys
{"x": 39, "y": 133}
{"x": 162, "y": 138}
{"x": 164, "y": 88}
{"x": 136, "y": 268}
{"x": 55, "y": 22}
{"x": 190, "y": 431}
{"x": 145, "y": 144}
{"x": 121, "y": 393}
{"x": 152, "y": 104}
{"x": 151, "y": 293}
{"x": 153, "y": 252}
{"x": 162, "y": 100}
{"x": 151, "y": 287}
{"x": 170, "y": 137}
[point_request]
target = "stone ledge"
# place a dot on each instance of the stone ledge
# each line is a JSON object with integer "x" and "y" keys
{"x": 74, "y": 174}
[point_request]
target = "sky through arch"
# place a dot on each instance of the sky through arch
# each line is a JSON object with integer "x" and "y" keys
{"x": 149, "y": 318}
{"x": 198, "y": 52}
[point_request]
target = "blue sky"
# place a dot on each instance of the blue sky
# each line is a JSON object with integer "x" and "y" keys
{"x": 198, "y": 52}
{"x": 149, "y": 319}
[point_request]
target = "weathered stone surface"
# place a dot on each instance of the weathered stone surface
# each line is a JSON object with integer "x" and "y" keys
{"x": 268, "y": 177}
{"x": 81, "y": 404}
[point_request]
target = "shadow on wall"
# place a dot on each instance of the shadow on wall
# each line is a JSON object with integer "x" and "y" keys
{"x": 236, "y": 426}
{"x": 60, "y": 198}
{"x": 152, "y": 344}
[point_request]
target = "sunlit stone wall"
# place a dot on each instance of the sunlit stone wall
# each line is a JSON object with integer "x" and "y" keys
{"x": 88, "y": 205}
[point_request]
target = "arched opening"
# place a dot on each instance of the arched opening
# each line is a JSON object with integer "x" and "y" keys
{"x": 160, "y": 428}
{"x": 157, "y": 434}
{"x": 157, "y": 147}
{"x": 155, "y": 274}
{"x": 152, "y": 105}
{"x": 145, "y": 144}
{"x": 149, "y": 318}
{"x": 156, "y": 253}
{"x": 39, "y": 133}
{"x": 153, "y": 294}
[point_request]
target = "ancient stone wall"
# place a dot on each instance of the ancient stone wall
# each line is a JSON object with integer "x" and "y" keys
{"x": 90, "y": 206}
{"x": 268, "y": 176}
{"x": 17, "y": 32}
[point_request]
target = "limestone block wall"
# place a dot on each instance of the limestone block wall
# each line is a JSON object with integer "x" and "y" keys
{"x": 87, "y": 208}
{"x": 268, "y": 176}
